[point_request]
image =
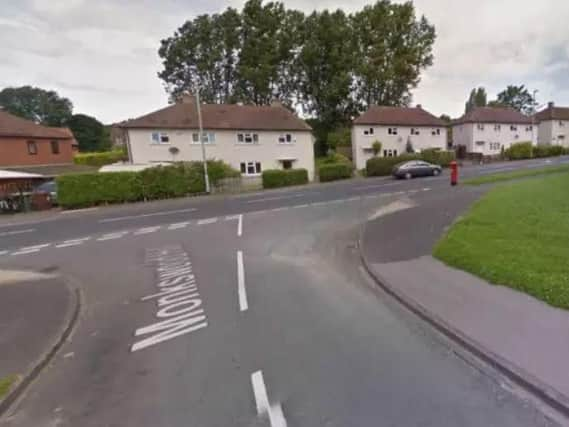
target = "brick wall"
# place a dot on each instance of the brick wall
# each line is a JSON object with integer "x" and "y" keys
{"x": 14, "y": 152}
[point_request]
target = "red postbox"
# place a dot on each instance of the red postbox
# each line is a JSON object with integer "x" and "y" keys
{"x": 453, "y": 173}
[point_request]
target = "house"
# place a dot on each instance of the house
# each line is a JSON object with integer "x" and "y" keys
{"x": 25, "y": 143}
{"x": 397, "y": 128}
{"x": 553, "y": 125}
{"x": 488, "y": 130}
{"x": 249, "y": 138}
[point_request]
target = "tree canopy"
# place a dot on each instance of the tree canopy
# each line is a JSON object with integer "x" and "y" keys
{"x": 517, "y": 97}
{"x": 89, "y": 133}
{"x": 477, "y": 98}
{"x": 45, "y": 107}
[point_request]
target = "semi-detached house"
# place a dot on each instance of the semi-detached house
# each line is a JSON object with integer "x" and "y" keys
{"x": 553, "y": 128}
{"x": 249, "y": 138}
{"x": 488, "y": 130}
{"x": 395, "y": 128}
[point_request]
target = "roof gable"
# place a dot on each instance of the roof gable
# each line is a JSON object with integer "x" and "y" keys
{"x": 553, "y": 113}
{"x": 403, "y": 116}
{"x": 11, "y": 125}
{"x": 493, "y": 115}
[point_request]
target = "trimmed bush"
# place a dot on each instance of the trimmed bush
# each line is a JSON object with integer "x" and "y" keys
{"x": 273, "y": 178}
{"x": 382, "y": 166}
{"x": 100, "y": 159}
{"x": 520, "y": 150}
{"x": 438, "y": 157}
{"x": 334, "y": 171}
{"x": 548, "y": 151}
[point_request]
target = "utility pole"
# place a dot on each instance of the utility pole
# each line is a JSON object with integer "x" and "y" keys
{"x": 533, "y": 107}
{"x": 198, "y": 107}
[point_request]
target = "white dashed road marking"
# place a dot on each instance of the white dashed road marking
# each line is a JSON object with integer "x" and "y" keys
{"x": 178, "y": 225}
{"x": 31, "y": 249}
{"x": 264, "y": 408}
{"x": 274, "y": 198}
{"x": 112, "y": 236}
{"x": 13, "y": 233}
{"x": 240, "y": 226}
{"x": 243, "y": 305}
{"x": 3, "y": 253}
{"x": 74, "y": 242}
{"x": 123, "y": 218}
{"x": 207, "y": 221}
{"x": 146, "y": 230}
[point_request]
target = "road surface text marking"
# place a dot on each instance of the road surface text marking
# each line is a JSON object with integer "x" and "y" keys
{"x": 264, "y": 408}
{"x": 243, "y": 305}
{"x": 180, "y": 307}
{"x": 124, "y": 218}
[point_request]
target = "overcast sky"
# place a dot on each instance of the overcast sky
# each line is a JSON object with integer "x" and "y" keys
{"x": 102, "y": 54}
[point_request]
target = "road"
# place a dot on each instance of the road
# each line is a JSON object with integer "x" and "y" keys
{"x": 246, "y": 311}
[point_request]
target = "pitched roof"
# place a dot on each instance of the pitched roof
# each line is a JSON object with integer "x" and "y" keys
{"x": 11, "y": 125}
{"x": 183, "y": 115}
{"x": 493, "y": 115}
{"x": 403, "y": 116}
{"x": 553, "y": 113}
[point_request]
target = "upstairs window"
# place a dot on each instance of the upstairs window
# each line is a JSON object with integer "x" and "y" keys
{"x": 562, "y": 124}
{"x": 436, "y": 131}
{"x": 392, "y": 131}
{"x": 497, "y": 128}
{"x": 54, "y": 147}
{"x": 480, "y": 126}
{"x": 207, "y": 137}
{"x": 32, "y": 148}
{"x": 368, "y": 131}
{"x": 285, "y": 138}
{"x": 247, "y": 138}
{"x": 513, "y": 128}
{"x": 529, "y": 128}
{"x": 160, "y": 138}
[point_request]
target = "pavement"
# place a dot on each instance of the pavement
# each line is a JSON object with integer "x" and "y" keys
{"x": 523, "y": 337}
{"x": 247, "y": 311}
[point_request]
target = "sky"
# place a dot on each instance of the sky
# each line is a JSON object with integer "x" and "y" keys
{"x": 103, "y": 54}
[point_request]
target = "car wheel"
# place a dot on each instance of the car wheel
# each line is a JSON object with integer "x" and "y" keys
{"x": 408, "y": 175}
{"x": 436, "y": 172}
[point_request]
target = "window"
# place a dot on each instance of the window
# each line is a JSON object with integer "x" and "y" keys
{"x": 285, "y": 138}
{"x": 160, "y": 138}
{"x": 497, "y": 128}
{"x": 480, "y": 126}
{"x": 250, "y": 168}
{"x": 436, "y": 131}
{"x": 247, "y": 138}
{"x": 54, "y": 147}
{"x": 392, "y": 131}
{"x": 513, "y": 127}
{"x": 368, "y": 131}
{"x": 389, "y": 153}
{"x": 479, "y": 142}
{"x": 414, "y": 131}
{"x": 529, "y": 128}
{"x": 287, "y": 164}
{"x": 561, "y": 123}
{"x": 207, "y": 137}
{"x": 495, "y": 146}
{"x": 32, "y": 148}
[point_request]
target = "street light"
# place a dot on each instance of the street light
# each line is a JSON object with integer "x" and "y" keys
{"x": 206, "y": 176}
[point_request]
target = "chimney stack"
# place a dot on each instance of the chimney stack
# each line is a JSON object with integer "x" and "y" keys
{"x": 419, "y": 106}
{"x": 550, "y": 104}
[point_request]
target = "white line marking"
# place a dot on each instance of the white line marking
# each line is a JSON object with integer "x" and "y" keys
{"x": 240, "y": 226}
{"x": 257, "y": 212}
{"x": 12, "y": 233}
{"x": 365, "y": 187}
{"x": 279, "y": 209}
{"x": 111, "y": 236}
{"x": 178, "y": 225}
{"x": 393, "y": 207}
{"x": 275, "y": 412}
{"x": 274, "y": 198}
{"x": 207, "y": 221}
{"x": 3, "y": 253}
{"x": 241, "y": 282}
{"x": 301, "y": 206}
{"x": 30, "y": 249}
{"x": 78, "y": 211}
{"x": 123, "y": 218}
{"x": 230, "y": 217}
{"x": 74, "y": 242}
{"x": 426, "y": 189}
{"x": 319, "y": 203}
{"x": 352, "y": 199}
{"x": 146, "y": 230}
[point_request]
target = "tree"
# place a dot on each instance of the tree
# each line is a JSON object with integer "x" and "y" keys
{"x": 392, "y": 48}
{"x": 45, "y": 107}
{"x": 477, "y": 98}
{"x": 341, "y": 137}
{"x": 89, "y": 133}
{"x": 446, "y": 118}
{"x": 376, "y": 148}
{"x": 516, "y": 97}
{"x": 409, "y": 146}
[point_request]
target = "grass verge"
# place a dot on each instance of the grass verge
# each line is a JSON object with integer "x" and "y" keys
{"x": 508, "y": 176}
{"x": 516, "y": 236}
{"x": 5, "y": 384}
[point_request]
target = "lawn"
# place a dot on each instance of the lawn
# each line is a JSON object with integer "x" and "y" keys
{"x": 5, "y": 384}
{"x": 508, "y": 176}
{"x": 517, "y": 235}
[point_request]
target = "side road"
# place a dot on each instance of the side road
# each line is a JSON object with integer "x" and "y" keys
{"x": 37, "y": 313}
{"x": 522, "y": 337}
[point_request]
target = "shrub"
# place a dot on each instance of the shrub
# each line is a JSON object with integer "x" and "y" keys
{"x": 520, "y": 150}
{"x": 381, "y": 166}
{"x": 100, "y": 159}
{"x": 273, "y": 178}
{"x": 548, "y": 151}
{"x": 334, "y": 171}
{"x": 333, "y": 158}
{"x": 217, "y": 169}
{"x": 376, "y": 147}
{"x": 438, "y": 157}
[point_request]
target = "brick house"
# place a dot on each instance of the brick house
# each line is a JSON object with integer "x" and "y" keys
{"x": 25, "y": 143}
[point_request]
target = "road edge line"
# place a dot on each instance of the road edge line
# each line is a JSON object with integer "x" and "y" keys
{"x": 540, "y": 390}
{"x": 18, "y": 390}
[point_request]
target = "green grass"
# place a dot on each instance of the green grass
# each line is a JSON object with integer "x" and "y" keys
{"x": 517, "y": 235}
{"x": 5, "y": 384}
{"x": 508, "y": 176}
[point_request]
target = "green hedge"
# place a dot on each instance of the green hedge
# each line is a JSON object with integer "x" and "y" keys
{"x": 519, "y": 150}
{"x": 273, "y": 178}
{"x": 160, "y": 182}
{"x": 334, "y": 171}
{"x": 101, "y": 158}
{"x": 548, "y": 150}
{"x": 438, "y": 157}
{"x": 382, "y": 166}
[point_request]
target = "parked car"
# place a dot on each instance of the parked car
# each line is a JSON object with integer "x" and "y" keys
{"x": 415, "y": 168}
{"x": 49, "y": 188}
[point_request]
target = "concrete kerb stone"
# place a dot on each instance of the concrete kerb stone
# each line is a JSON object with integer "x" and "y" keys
{"x": 528, "y": 382}
{"x": 18, "y": 389}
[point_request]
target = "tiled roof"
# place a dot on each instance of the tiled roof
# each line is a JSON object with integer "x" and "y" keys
{"x": 493, "y": 115}
{"x": 15, "y": 126}
{"x": 379, "y": 115}
{"x": 183, "y": 115}
{"x": 553, "y": 113}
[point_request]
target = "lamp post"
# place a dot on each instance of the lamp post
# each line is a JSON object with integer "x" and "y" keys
{"x": 200, "y": 125}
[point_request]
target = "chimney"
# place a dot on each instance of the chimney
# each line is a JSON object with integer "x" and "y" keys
{"x": 186, "y": 98}
{"x": 550, "y": 104}
{"x": 419, "y": 106}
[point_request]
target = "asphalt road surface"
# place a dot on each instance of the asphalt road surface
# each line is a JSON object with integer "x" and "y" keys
{"x": 247, "y": 311}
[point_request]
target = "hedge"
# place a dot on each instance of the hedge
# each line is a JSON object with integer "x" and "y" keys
{"x": 334, "y": 171}
{"x": 100, "y": 159}
{"x": 438, "y": 157}
{"x": 548, "y": 150}
{"x": 160, "y": 182}
{"x": 273, "y": 178}
{"x": 381, "y": 166}
{"x": 519, "y": 150}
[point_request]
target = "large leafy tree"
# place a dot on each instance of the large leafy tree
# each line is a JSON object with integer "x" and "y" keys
{"x": 90, "y": 133}
{"x": 392, "y": 48}
{"x": 477, "y": 98}
{"x": 517, "y": 97}
{"x": 45, "y": 107}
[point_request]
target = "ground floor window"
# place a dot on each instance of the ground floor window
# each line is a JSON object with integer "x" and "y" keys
{"x": 250, "y": 168}
{"x": 287, "y": 164}
{"x": 389, "y": 153}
